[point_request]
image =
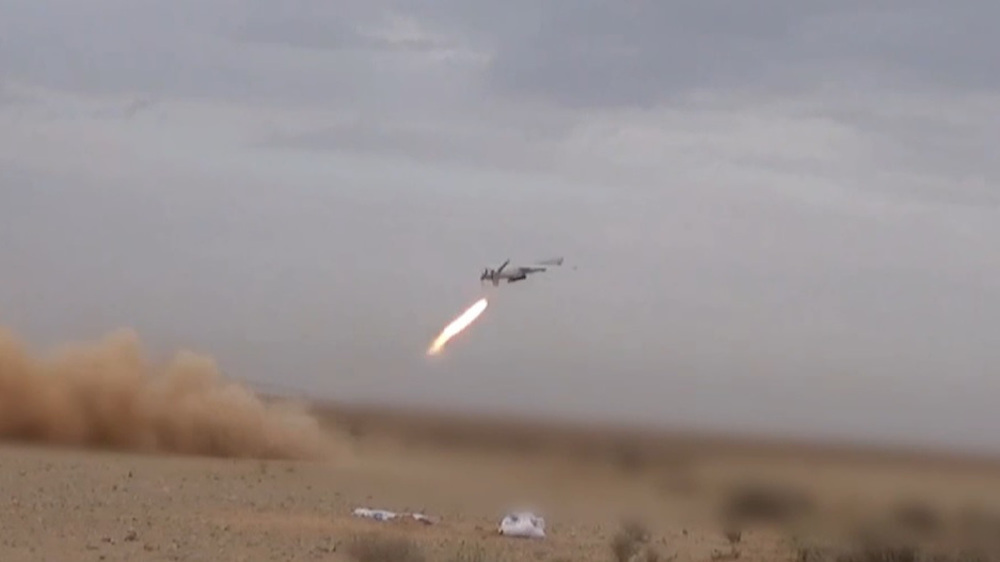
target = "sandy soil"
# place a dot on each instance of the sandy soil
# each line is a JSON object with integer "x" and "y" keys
{"x": 78, "y": 504}
{"x": 104, "y": 456}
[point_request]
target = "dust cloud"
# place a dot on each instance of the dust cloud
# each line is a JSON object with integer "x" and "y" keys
{"x": 106, "y": 394}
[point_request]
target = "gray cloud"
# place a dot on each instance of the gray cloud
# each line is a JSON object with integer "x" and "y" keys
{"x": 605, "y": 53}
{"x": 596, "y": 52}
{"x": 772, "y": 196}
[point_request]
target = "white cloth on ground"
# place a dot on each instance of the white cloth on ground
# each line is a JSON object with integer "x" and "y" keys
{"x": 522, "y": 524}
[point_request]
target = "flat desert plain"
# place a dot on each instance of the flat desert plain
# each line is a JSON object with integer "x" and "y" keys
{"x": 74, "y": 503}
{"x": 104, "y": 457}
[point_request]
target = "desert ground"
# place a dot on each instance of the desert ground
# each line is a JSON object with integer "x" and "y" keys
{"x": 106, "y": 458}
{"x": 71, "y": 503}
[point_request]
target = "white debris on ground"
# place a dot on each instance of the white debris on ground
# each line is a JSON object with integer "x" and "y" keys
{"x": 524, "y": 524}
{"x": 386, "y": 515}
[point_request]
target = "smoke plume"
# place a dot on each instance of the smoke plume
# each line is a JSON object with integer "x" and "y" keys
{"x": 105, "y": 394}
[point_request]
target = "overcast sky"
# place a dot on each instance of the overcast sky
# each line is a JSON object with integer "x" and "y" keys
{"x": 775, "y": 216}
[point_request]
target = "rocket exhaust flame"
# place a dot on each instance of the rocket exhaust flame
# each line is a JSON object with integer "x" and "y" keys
{"x": 457, "y": 325}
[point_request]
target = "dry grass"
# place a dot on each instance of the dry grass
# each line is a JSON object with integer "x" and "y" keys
{"x": 917, "y": 516}
{"x": 633, "y": 543}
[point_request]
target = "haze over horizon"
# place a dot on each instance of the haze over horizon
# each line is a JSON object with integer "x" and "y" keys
{"x": 783, "y": 217}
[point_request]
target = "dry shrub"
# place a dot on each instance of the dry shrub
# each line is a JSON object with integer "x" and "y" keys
{"x": 629, "y": 458}
{"x": 632, "y": 544}
{"x": 917, "y": 517}
{"x": 765, "y": 503}
{"x": 813, "y": 553}
{"x": 374, "y": 547}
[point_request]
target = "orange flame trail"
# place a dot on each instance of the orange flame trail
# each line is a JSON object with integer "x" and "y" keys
{"x": 457, "y": 325}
